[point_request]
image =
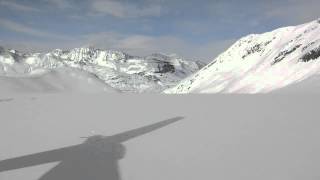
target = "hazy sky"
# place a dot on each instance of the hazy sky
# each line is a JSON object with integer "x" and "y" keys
{"x": 191, "y": 28}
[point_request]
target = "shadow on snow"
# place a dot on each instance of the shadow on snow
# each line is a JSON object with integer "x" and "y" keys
{"x": 96, "y": 158}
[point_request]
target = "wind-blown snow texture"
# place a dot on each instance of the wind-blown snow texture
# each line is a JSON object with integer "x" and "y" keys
{"x": 121, "y": 71}
{"x": 260, "y": 63}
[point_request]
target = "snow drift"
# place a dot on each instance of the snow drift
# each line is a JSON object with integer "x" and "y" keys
{"x": 53, "y": 81}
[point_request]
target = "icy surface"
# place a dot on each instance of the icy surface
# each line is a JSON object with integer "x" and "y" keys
{"x": 118, "y": 70}
{"x": 260, "y": 63}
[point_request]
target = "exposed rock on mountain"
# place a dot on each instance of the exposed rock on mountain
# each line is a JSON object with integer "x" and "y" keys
{"x": 260, "y": 63}
{"x": 118, "y": 70}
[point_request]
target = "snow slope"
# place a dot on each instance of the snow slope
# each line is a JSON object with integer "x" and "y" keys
{"x": 258, "y": 137}
{"x": 121, "y": 71}
{"x": 53, "y": 81}
{"x": 260, "y": 63}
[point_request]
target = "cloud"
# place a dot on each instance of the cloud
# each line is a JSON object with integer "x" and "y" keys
{"x": 212, "y": 49}
{"x": 20, "y": 7}
{"x": 20, "y": 28}
{"x": 144, "y": 45}
{"x": 133, "y": 44}
{"x": 294, "y": 11}
{"x": 61, "y": 4}
{"x": 121, "y": 9}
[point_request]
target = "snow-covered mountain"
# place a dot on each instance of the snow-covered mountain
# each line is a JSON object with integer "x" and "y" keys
{"x": 118, "y": 70}
{"x": 261, "y": 63}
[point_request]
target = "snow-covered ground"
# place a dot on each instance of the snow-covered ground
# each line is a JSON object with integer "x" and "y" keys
{"x": 54, "y": 81}
{"x": 260, "y": 63}
{"x": 221, "y": 137}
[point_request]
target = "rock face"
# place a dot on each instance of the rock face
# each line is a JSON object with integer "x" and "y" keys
{"x": 119, "y": 70}
{"x": 260, "y": 63}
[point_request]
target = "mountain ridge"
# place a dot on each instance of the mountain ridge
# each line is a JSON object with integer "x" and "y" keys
{"x": 260, "y": 63}
{"x": 122, "y": 71}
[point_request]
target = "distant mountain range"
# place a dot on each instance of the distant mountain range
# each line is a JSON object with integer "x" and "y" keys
{"x": 284, "y": 60}
{"x": 64, "y": 70}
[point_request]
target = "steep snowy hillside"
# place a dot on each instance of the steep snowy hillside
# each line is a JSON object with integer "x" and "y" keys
{"x": 260, "y": 63}
{"x": 121, "y": 71}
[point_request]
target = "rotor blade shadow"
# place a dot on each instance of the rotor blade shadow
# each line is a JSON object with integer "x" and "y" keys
{"x": 122, "y": 137}
{"x": 96, "y": 160}
{"x": 37, "y": 159}
{"x": 6, "y": 100}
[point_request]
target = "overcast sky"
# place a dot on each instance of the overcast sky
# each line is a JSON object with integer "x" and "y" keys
{"x": 191, "y": 28}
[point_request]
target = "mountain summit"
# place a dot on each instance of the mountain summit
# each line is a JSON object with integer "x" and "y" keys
{"x": 261, "y": 63}
{"x": 118, "y": 70}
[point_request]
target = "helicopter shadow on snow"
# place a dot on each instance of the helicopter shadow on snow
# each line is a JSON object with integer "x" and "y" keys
{"x": 6, "y": 100}
{"x": 97, "y": 158}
